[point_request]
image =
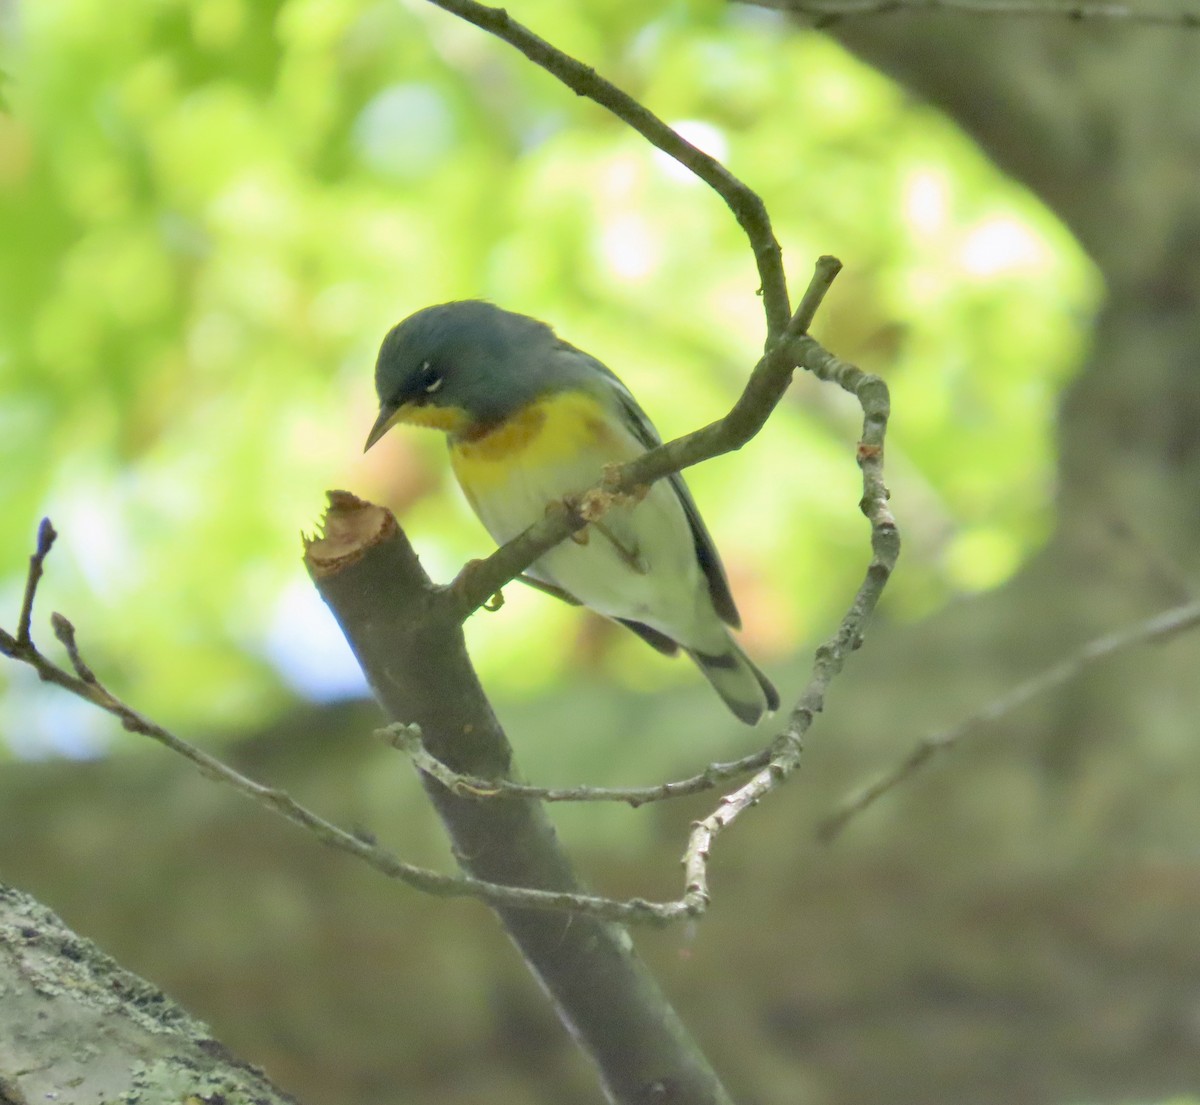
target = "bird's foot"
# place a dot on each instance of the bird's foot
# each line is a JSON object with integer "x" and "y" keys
{"x": 461, "y": 586}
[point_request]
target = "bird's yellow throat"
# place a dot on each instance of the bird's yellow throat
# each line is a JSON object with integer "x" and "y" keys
{"x": 450, "y": 419}
{"x": 548, "y": 432}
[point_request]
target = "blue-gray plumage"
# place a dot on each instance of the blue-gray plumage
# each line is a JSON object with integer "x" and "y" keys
{"x": 531, "y": 419}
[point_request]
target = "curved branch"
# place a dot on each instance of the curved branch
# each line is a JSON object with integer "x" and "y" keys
{"x": 747, "y": 206}
{"x": 872, "y": 394}
{"x": 1161, "y": 626}
{"x": 407, "y": 739}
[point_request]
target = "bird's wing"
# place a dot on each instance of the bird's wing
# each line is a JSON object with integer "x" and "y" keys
{"x": 706, "y": 552}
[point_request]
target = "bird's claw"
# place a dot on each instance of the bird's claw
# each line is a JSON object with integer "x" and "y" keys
{"x": 461, "y": 586}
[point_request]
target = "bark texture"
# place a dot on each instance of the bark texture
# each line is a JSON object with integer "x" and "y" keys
{"x": 407, "y": 637}
{"x": 76, "y": 1027}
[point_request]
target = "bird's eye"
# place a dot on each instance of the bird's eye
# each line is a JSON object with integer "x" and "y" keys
{"x": 431, "y": 379}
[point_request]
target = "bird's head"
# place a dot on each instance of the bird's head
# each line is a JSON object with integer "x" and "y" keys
{"x": 460, "y": 367}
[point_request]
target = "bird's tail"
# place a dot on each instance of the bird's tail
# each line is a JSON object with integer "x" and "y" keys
{"x": 733, "y": 675}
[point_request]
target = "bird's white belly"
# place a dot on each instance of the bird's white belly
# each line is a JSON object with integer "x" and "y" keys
{"x": 638, "y": 561}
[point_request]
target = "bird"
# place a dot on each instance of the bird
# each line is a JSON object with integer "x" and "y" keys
{"x": 531, "y": 420}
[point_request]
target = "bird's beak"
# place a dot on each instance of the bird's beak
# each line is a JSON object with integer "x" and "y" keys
{"x": 387, "y": 418}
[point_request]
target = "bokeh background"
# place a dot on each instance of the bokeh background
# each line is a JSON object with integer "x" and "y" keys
{"x": 210, "y": 213}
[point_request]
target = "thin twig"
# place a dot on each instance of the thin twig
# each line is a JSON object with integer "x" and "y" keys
{"x": 1167, "y": 624}
{"x": 825, "y": 13}
{"x": 45, "y": 541}
{"x": 824, "y": 273}
{"x": 90, "y": 689}
{"x": 872, "y": 394}
{"x": 747, "y": 206}
{"x": 407, "y": 738}
{"x": 65, "y": 632}
{"x": 482, "y": 579}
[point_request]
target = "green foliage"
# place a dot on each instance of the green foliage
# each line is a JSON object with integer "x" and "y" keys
{"x": 213, "y": 210}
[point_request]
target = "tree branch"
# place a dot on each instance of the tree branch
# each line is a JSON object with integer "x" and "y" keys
{"x": 45, "y": 541}
{"x": 1167, "y": 624}
{"x": 407, "y": 739}
{"x": 746, "y": 205}
{"x": 872, "y": 393}
{"x": 408, "y": 641}
{"x": 84, "y": 684}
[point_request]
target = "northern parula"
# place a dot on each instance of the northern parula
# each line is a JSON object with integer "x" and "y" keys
{"x": 529, "y": 420}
